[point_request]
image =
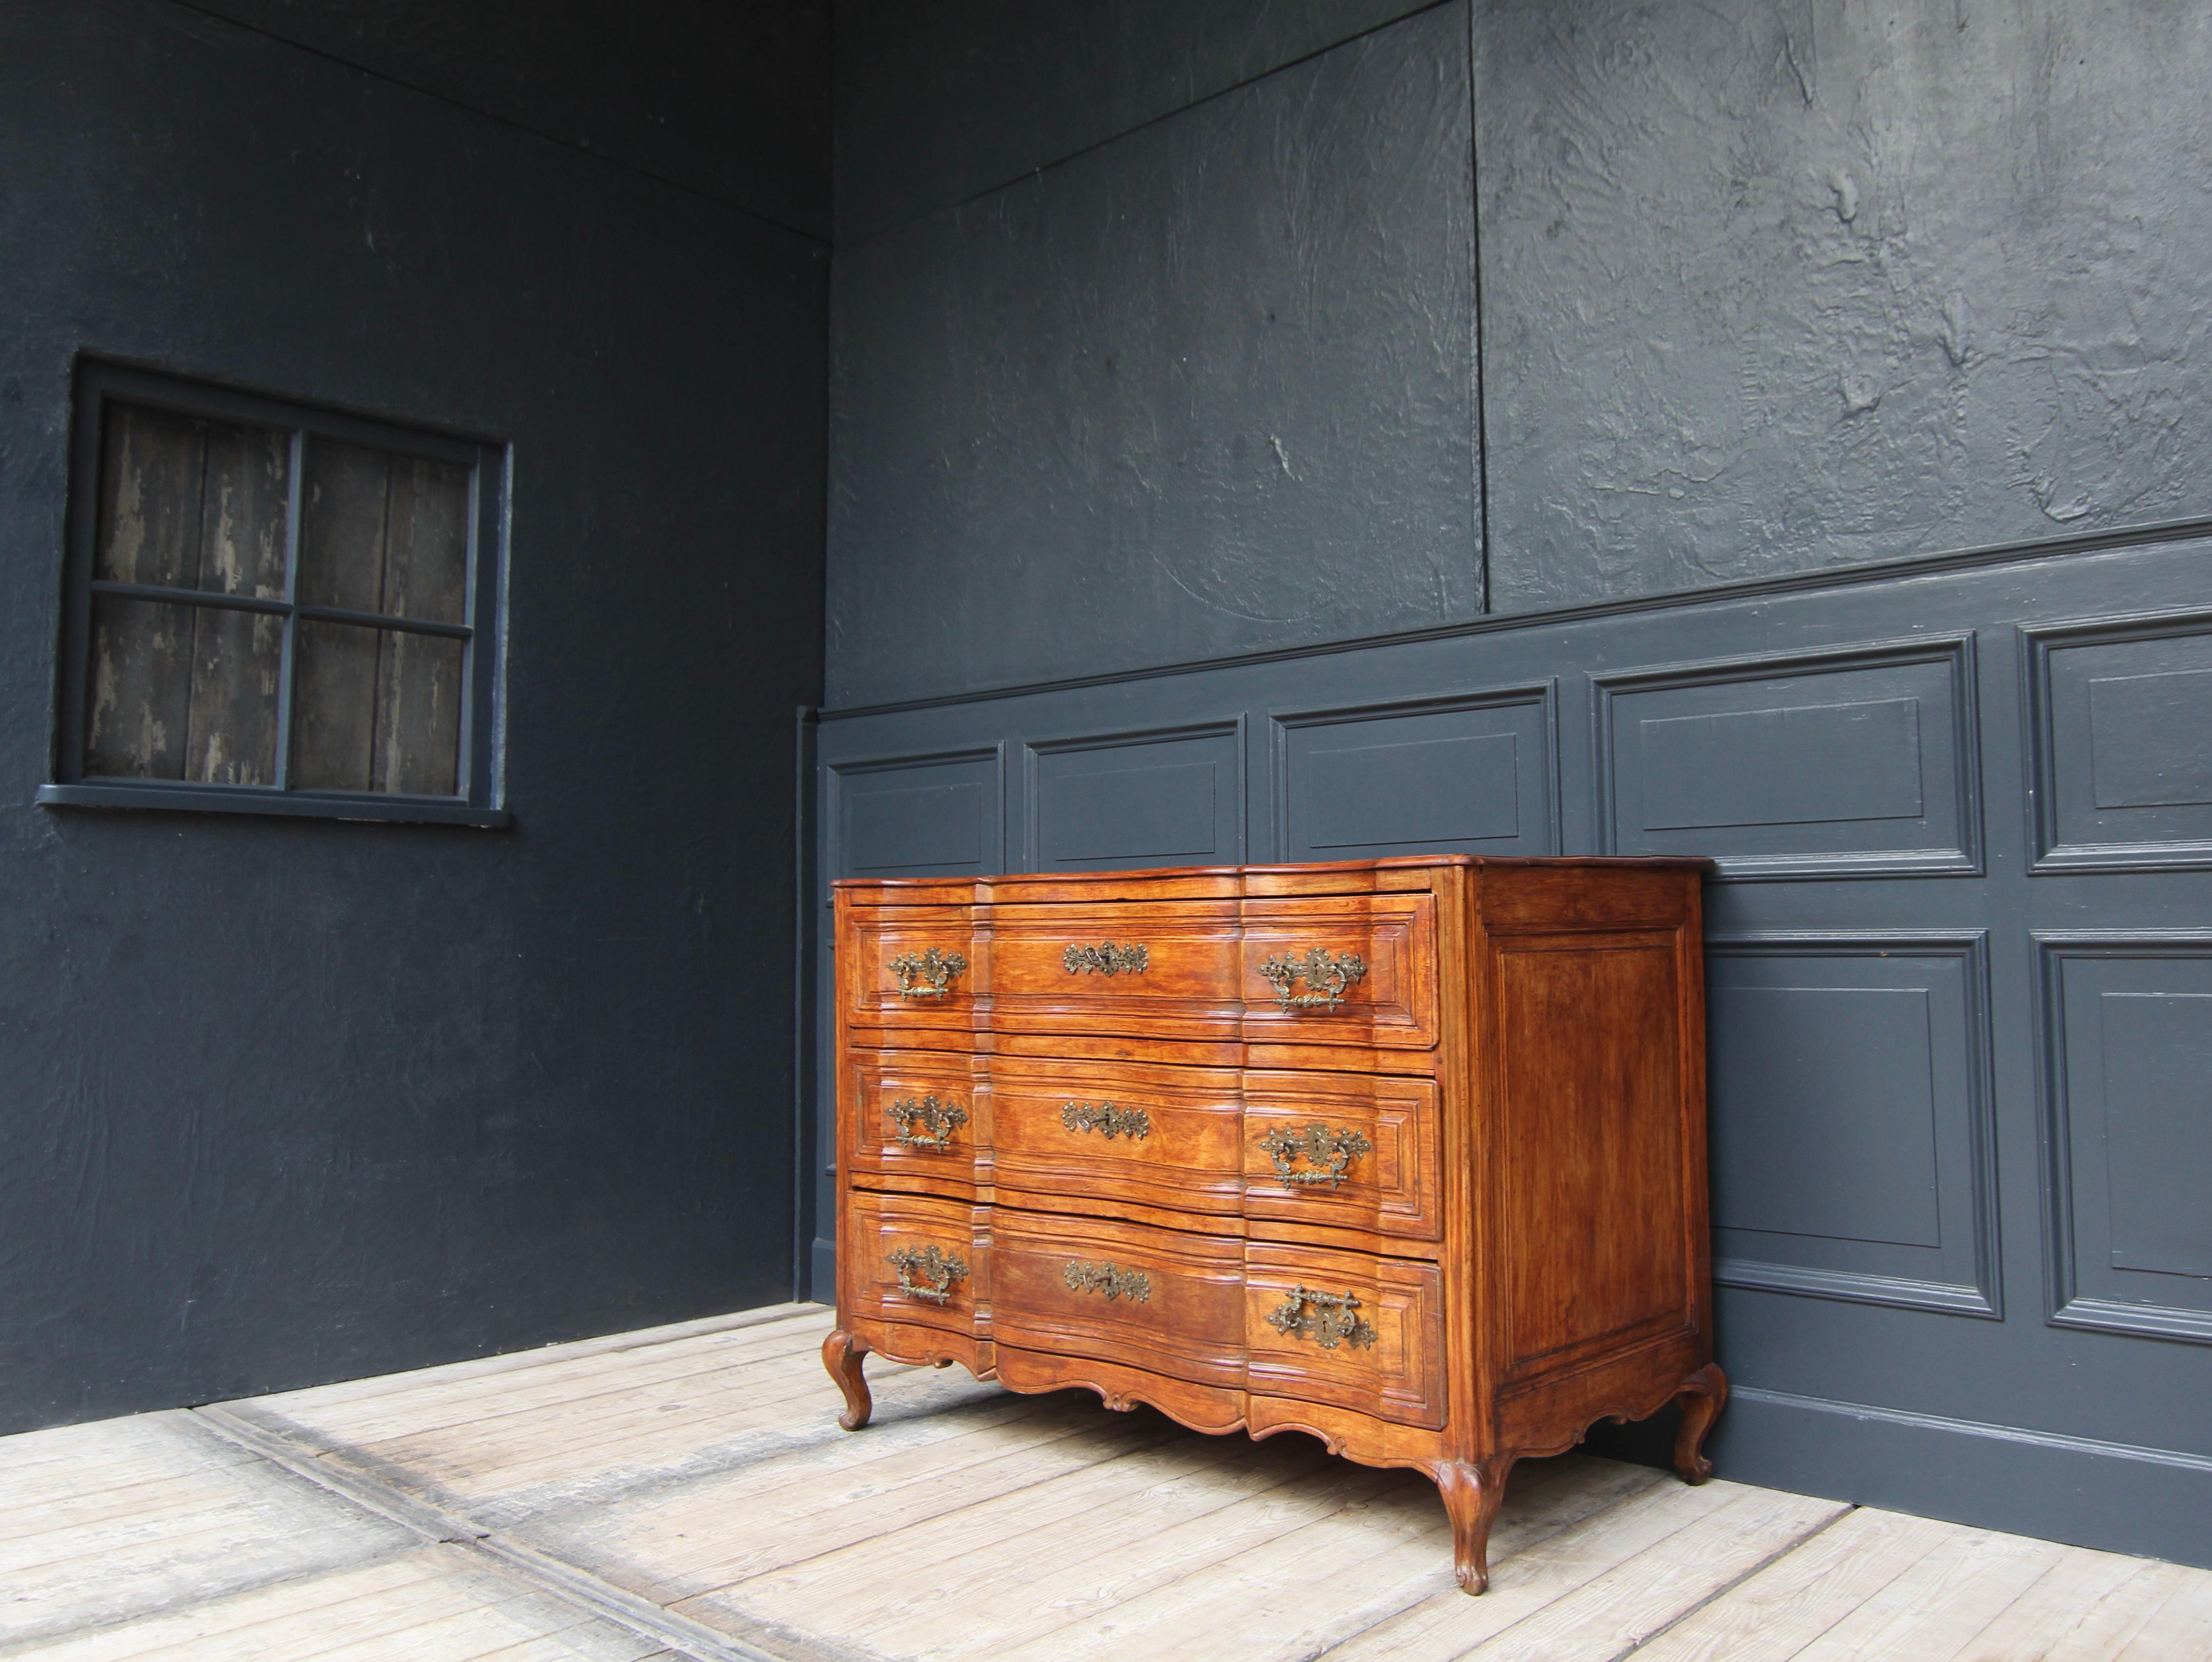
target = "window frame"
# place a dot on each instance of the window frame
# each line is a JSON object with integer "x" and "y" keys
{"x": 480, "y": 802}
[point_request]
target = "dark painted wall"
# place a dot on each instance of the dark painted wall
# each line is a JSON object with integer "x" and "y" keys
{"x": 730, "y": 100}
{"x": 289, "y": 1101}
{"x": 1764, "y": 291}
{"x": 1208, "y": 387}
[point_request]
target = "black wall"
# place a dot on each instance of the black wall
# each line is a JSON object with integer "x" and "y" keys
{"x": 1722, "y": 305}
{"x": 287, "y": 1101}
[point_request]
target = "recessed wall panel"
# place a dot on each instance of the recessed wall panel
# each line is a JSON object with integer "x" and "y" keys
{"x": 2120, "y": 714}
{"x": 1130, "y": 801}
{"x": 1846, "y": 763}
{"x": 1850, "y": 1113}
{"x": 930, "y": 816}
{"x": 2128, "y": 1068}
{"x": 1468, "y": 776}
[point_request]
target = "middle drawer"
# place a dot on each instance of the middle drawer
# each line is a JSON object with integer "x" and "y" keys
{"x": 1345, "y": 1151}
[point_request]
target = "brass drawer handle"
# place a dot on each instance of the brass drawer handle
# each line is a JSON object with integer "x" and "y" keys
{"x": 927, "y": 1272}
{"x": 937, "y": 1121}
{"x": 1106, "y": 959}
{"x": 926, "y": 975}
{"x": 1110, "y": 1279}
{"x": 1328, "y": 1318}
{"x": 1326, "y": 977}
{"x": 1109, "y": 1119}
{"x": 1327, "y": 1155}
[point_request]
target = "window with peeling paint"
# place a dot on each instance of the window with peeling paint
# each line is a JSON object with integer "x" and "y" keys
{"x": 275, "y": 609}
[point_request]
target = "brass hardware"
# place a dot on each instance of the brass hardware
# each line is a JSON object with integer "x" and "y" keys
{"x": 1328, "y": 1318}
{"x": 1107, "y": 1119}
{"x": 937, "y": 1120}
{"x": 937, "y": 1269}
{"x": 933, "y": 969}
{"x": 1106, "y": 959}
{"x": 1111, "y": 1279}
{"x": 1327, "y": 1155}
{"x": 1327, "y": 976}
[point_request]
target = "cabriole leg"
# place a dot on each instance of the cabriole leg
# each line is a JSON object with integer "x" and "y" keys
{"x": 1701, "y": 1398}
{"x": 1472, "y": 1494}
{"x": 841, "y": 1353}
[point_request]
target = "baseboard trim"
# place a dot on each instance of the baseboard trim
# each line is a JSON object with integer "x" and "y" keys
{"x": 2117, "y": 1497}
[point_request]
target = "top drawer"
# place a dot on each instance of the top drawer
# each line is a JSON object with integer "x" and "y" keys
{"x": 1353, "y": 969}
{"x": 916, "y": 968}
{"x": 1168, "y": 969}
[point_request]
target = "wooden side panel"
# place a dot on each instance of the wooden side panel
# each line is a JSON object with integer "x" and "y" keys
{"x": 1391, "y": 1365}
{"x": 1591, "y": 1128}
{"x": 1157, "y": 1299}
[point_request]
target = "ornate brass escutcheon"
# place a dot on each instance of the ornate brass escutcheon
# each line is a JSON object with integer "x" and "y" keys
{"x": 1106, "y": 959}
{"x": 1110, "y": 1279}
{"x": 1326, "y": 977}
{"x": 1328, "y": 1318}
{"x": 1327, "y": 1155}
{"x": 929, "y": 1272}
{"x": 927, "y": 1124}
{"x": 1107, "y": 1119}
{"x": 928, "y": 974}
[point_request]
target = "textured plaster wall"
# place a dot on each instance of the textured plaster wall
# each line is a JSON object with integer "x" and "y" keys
{"x": 1775, "y": 286}
{"x": 1208, "y": 387}
{"x": 1764, "y": 288}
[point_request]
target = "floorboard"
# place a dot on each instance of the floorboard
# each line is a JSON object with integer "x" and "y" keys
{"x": 685, "y": 1492}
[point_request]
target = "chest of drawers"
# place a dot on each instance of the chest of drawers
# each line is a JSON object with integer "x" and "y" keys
{"x": 1408, "y": 1154}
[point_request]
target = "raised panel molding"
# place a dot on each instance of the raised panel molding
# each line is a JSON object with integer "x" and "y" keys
{"x": 939, "y": 814}
{"x": 1170, "y": 796}
{"x": 2116, "y": 713}
{"x": 2126, "y": 1065}
{"x": 1852, "y": 1112}
{"x": 1855, "y": 761}
{"x": 1459, "y": 773}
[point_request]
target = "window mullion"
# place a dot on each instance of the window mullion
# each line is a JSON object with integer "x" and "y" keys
{"x": 294, "y": 505}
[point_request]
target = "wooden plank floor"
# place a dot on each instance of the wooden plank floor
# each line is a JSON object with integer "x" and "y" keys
{"x": 685, "y": 1492}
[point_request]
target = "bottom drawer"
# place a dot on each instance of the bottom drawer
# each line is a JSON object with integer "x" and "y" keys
{"x": 1154, "y": 1299}
{"x": 909, "y": 1258}
{"x": 1347, "y": 1330}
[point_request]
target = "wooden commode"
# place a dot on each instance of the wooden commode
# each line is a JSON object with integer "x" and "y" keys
{"x": 1409, "y": 1154}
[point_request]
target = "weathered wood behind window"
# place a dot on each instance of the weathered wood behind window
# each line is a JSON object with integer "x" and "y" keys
{"x": 270, "y": 608}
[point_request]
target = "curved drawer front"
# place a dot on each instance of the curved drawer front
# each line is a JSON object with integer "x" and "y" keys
{"x": 1347, "y": 1150}
{"x": 1347, "y": 1330}
{"x": 916, "y": 968}
{"x": 1153, "y": 1298}
{"x": 1155, "y": 1135}
{"x": 1161, "y": 969}
{"x": 915, "y": 1115}
{"x": 1340, "y": 969}
{"x": 909, "y": 1258}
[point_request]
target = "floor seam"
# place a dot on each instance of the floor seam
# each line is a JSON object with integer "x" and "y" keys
{"x": 572, "y": 1586}
{"x": 1722, "y": 1592}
